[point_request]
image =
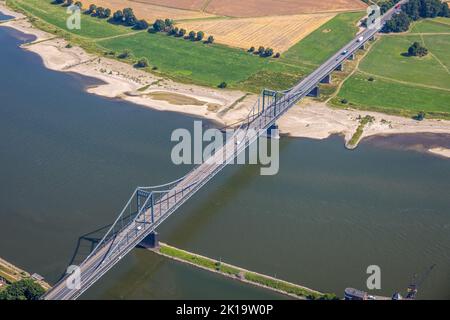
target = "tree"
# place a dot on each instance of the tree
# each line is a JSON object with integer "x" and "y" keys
{"x": 58, "y": 1}
{"x": 168, "y": 23}
{"x": 445, "y": 12}
{"x": 142, "y": 63}
{"x": 159, "y": 25}
{"x": 192, "y": 35}
{"x": 222, "y": 85}
{"x": 210, "y": 39}
{"x": 91, "y": 9}
{"x": 100, "y": 12}
{"x": 79, "y": 4}
{"x": 118, "y": 16}
{"x": 252, "y": 49}
{"x": 268, "y": 52}
{"x": 277, "y": 55}
{"x": 141, "y": 25}
{"x": 128, "y": 17}
{"x": 69, "y": 3}
{"x": 260, "y": 50}
{"x": 200, "y": 35}
{"x": 107, "y": 13}
{"x": 25, "y": 289}
{"x": 173, "y": 31}
{"x": 399, "y": 23}
{"x": 181, "y": 33}
{"x": 416, "y": 49}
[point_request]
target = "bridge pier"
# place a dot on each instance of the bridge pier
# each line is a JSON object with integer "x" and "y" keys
{"x": 327, "y": 79}
{"x": 372, "y": 38}
{"x": 151, "y": 241}
{"x": 351, "y": 57}
{"x": 314, "y": 92}
{"x": 272, "y": 132}
{"x": 340, "y": 67}
{"x": 363, "y": 47}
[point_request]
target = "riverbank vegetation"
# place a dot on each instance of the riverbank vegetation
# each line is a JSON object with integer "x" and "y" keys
{"x": 200, "y": 61}
{"x": 242, "y": 274}
{"x": 353, "y": 142}
{"x": 25, "y": 289}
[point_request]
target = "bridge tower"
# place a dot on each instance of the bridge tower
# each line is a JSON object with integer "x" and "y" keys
{"x": 270, "y": 97}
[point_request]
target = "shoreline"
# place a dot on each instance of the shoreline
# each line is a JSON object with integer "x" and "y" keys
{"x": 11, "y": 273}
{"x": 309, "y": 119}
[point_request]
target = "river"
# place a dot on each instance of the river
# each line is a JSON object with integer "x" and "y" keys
{"x": 70, "y": 160}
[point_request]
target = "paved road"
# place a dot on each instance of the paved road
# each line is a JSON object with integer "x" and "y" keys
{"x": 112, "y": 251}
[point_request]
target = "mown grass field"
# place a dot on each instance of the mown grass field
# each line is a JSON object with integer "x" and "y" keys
{"x": 401, "y": 84}
{"x": 195, "y": 62}
{"x": 326, "y": 40}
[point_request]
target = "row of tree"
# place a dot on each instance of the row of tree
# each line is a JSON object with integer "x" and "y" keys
{"x": 414, "y": 10}
{"x": 263, "y": 52}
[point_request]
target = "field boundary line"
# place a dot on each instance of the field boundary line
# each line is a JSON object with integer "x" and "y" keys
{"x": 118, "y": 36}
{"x": 403, "y": 82}
{"x": 434, "y": 56}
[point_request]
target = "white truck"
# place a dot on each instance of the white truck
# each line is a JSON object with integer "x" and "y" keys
{"x": 360, "y": 39}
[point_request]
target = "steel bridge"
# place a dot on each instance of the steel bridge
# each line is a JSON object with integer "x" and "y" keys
{"x": 148, "y": 207}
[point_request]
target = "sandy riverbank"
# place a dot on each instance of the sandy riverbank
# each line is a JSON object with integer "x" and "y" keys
{"x": 120, "y": 80}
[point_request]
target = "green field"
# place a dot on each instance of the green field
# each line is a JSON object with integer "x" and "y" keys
{"x": 326, "y": 40}
{"x": 195, "y": 62}
{"x": 402, "y": 84}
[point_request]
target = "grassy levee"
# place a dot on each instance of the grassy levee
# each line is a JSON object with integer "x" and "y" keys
{"x": 187, "y": 61}
{"x": 326, "y": 40}
{"x": 392, "y": 82}
{"x": 242, "y": 274}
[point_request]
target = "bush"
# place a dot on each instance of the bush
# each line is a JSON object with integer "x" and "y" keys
{"x": 210, "y": 39}
{"x": 344, "y": 101}
{"x": 420, "y": 116}
{"x": 125, "y": 54}
{"x": 252, "y": 49}
{"x": 277, "y": 55}
{"x": 222, "y": 85}
{"x": 371, "y": 79}
{"x": 142, "y": 63}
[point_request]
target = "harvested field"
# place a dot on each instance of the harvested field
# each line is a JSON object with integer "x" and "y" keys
{"x": 258, "y": 8}
{"x": 278, "y": 32}
{"x": 195, "y": 5}
{"x": 148, "y": 11}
